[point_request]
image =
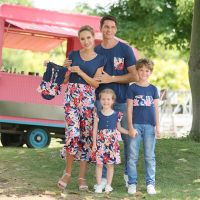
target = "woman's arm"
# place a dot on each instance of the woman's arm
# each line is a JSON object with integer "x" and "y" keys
{"x": 88, "y": 79}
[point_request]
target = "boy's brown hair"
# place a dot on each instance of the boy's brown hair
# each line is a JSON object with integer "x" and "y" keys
{"x": 107, "y": 17}
{"x": 144, "y": 62}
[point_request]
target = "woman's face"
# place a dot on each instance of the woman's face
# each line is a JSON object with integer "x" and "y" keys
{"x": 86, "y": 39}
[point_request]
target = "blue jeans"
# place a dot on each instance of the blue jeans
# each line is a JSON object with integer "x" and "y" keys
{"x": 146, "y": 133}
{"x": 122, "y": 107}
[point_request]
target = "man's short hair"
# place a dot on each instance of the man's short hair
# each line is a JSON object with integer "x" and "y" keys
{"x": 108, "y": 17}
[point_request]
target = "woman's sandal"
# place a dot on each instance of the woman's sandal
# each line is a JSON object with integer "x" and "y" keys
{"x": 63, "y": 184}
{"x": 82, "y": 184}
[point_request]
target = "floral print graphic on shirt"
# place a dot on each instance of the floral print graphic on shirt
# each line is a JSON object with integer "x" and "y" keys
{"x": 118, "y": 63}
{"x": 141, "y": 100}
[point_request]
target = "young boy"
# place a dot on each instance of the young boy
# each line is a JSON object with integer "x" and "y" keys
{"x": 143, "y": 117}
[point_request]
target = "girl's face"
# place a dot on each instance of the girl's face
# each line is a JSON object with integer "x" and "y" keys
{"x": 86, "y": 39}
{"x": 144, "y": 73}
{"x": 109, "y": 29}
{"x": 106, "y": 100}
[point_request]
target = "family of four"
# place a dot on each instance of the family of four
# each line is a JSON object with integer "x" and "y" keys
{"x": 100, "y": 105}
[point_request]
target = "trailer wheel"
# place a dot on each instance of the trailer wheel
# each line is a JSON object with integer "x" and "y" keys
{"x": 38, "y": 138}
{"x": 12, "y": 140}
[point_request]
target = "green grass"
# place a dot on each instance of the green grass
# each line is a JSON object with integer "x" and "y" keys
{"x": 31, "y": 171}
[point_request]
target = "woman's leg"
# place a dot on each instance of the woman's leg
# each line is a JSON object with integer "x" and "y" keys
{"x": 110, "y": 172}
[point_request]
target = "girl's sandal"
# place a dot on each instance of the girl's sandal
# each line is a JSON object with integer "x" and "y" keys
{"x": 82, "y": 184}
{"x": 63, "y": 184}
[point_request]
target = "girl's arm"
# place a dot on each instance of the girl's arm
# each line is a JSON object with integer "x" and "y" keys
{"x": 121, "y": 129}
{"x": 87, "y": 78}
{"x": 95, "y": 129}
{"x": 157, "y": 118}
{"x": 131, "y": 131}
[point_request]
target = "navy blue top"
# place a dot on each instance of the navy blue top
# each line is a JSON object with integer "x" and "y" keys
{"x": 89, "y": 67}
{"x": 119, "y": 58}
{"x": 108, "y": 122}
{"x": 143, "y": 104}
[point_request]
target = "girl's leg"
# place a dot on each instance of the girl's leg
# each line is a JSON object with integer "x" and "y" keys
{"x": 110, "y": 172}
{"x": 69, "y": 162}
{"x": 99, "y": 168}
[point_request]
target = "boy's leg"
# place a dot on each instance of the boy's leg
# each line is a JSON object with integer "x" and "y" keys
{"x": 149, "y": 154}
{"x": 133, "y": 153}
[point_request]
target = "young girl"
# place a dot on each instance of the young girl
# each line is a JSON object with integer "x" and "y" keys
{"x": 106, "y": 132}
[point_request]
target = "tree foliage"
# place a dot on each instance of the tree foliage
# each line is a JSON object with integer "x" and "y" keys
{"x": 147, "y": 23}
{"x": 17, "y": 2}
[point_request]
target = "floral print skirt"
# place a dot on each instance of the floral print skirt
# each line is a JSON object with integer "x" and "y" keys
{"x": 79, "y": 116}
{"x": 108, "y": 148}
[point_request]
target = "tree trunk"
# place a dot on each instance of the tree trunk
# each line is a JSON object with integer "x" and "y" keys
{"x": 194, "y": 71}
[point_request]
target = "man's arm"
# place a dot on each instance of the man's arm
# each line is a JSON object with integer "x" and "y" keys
{"x": 131, "y": 76}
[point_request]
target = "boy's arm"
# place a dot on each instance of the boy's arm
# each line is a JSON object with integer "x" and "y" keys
{"x": 131, "y": 131}
{"x": 156, "y": 101}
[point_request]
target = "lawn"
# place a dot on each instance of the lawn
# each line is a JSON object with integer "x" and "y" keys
{"x": 30, "y": 171}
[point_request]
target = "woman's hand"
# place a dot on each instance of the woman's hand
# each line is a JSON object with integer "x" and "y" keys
{"x": 67, "y": 62}
{"x": 76, "y": 69}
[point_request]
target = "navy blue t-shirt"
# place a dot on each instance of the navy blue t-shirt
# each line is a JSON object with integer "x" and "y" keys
{"x": 143, "y": 104}
{"x": 89, "y": 67}
{"x": 108, "y": 122}
{"x": 119, "y": 58}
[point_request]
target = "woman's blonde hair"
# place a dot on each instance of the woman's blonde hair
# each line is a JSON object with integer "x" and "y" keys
{"x": 86, "y": 28}
{"x": 108, "y": 91}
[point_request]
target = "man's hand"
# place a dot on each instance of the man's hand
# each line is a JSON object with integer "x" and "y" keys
{"x": 158, "y": 135}
{"x": 103, "y": 78}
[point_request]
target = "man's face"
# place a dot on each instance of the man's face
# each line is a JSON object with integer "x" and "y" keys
{"x": 109, "y": 29}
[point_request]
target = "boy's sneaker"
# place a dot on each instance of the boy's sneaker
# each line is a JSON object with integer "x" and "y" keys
{"x": 132, "y": 189}
{"x": 126, "y": 179}
{"x": 103, "y": 183}
{"x": 98, "y": 189}
{"x": 151, "y": 189}
{"x": 108, "y": 188}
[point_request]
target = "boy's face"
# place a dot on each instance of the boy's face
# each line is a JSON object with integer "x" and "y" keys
{"x": 144, "y": 73}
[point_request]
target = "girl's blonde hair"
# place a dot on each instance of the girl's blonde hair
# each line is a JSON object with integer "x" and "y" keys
{"x": 86, "y": 28}
{"x": 108, "y": 91}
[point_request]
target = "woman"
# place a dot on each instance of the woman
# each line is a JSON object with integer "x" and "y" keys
{"x": 79, "y": 105}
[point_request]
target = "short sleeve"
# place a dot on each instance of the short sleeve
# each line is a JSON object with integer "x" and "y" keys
{"x": 129, "y": 56}
{"x": 156, "y": 95}
{"x": 129, "y": 93}
{"x": 120, "y": 116}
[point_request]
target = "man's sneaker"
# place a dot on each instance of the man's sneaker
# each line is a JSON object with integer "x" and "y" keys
{"x": 103, "y": 183}
{"x": 126, "y": 179}
{"x": 108, "y": 188}
{"x": 132, "y": 189}
{"x": 98, "y": 189}
{"x": 151, "y": 189}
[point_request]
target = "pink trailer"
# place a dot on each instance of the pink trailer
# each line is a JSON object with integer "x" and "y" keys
{"x": 24, "y": 116}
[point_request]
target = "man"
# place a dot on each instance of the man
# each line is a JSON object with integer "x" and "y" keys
{"x": 118, "y": 72}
